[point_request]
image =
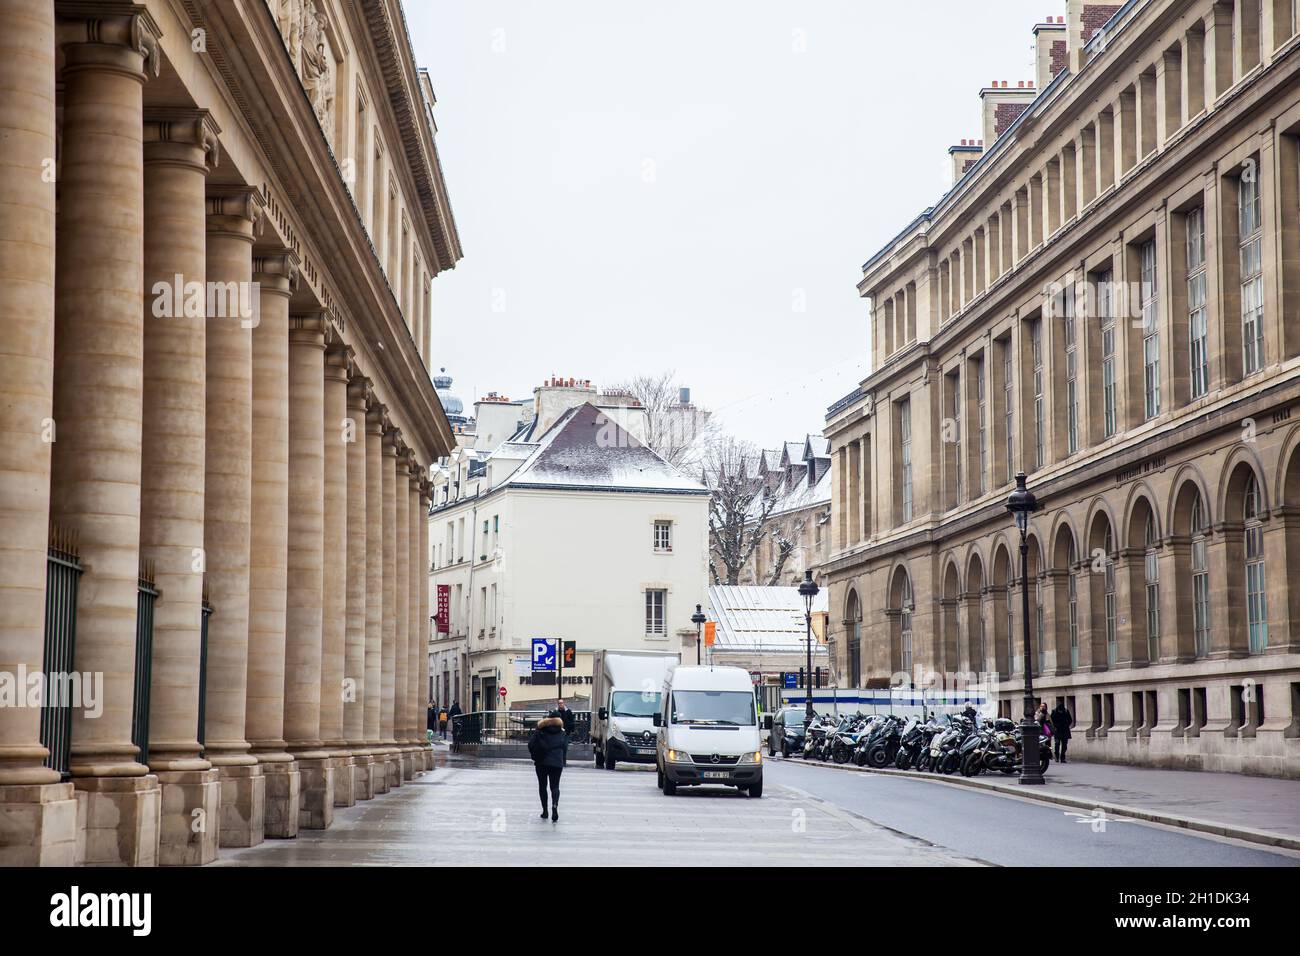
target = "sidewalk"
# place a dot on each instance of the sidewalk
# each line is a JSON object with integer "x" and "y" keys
{"x": 1262, "y": 810}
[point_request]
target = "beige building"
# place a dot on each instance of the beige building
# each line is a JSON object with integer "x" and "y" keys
{"x": 1106, "y": 300}
{"x": 798, "y": 535}
{"x": 218, "y": 225}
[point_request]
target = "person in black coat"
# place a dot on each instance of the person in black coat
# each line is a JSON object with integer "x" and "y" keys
{"x": 548, "y": 745}
{"x": 565, "y": 715}
{"x": 1061, "y": 724}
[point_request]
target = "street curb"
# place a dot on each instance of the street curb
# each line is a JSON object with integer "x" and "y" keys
{"x": 1247, "y": 834}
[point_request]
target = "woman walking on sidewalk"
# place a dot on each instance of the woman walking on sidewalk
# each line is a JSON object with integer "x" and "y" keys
{"x": 549, "y": 746}
{"x": 1061, "y": 723}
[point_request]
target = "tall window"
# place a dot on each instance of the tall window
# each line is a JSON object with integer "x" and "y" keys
{"x": 1197, "y": 353}
{"x": 655, "y": 617}
{"x": 1038, "y": 625}
{"x": 905, "y": 441}
{"x": 1106, "y": 316}
{"x": 1150, "y": 331}
{"x": 1112, "y": 640}
{"x": 1072, "y": 585}
{"x": 956, "y": 423}
{"x": 905, "y": 621}
{"x": 1008, "y": 407}
{"x": 981, "y": 427}
{"x": 1152, "y": 568}
{"x": 663, "y": 536}
{"x": 1071, "y": 374}
{"x": 1256, "y": 597}
{"x": 1200, "y": 582}
{"x": 1252, "y": 276}
{"x": 1036, "y": 345}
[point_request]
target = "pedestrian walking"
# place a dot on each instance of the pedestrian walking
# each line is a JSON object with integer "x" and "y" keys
{"x": 431, "y": 718}
{"x": 548, "y": 745}
{"x": 451, "y": 719}
{"x": 1061, "y": 724}
{"x": 566, "y": 716}
{"x": 1044, "y": 723}
{"x": 442, "y": 723}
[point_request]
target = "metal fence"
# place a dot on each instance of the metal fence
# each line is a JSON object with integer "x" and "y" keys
{"x": 62, "y": 573}
{"x": 146, "y": 595}
{"x": 504, "y": 733}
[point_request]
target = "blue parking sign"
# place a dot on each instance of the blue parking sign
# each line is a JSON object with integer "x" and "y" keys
{"x": 543, "y": 654}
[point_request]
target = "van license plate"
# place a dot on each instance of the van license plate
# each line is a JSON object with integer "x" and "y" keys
{"x": 716, "y": 775}
{"x": 645, "y": 750}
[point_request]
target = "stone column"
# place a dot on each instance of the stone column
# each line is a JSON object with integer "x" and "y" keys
{"x": 40, "y": 812}
{"x": 233, "y": 216}
{"x": 302, "y": 639}
{"x": 276, "y": 274}
{"x": 354, "y": 657}
{"x": 179, "y": 147}
{"x": 402, "y": 613}
{"x": 376, "y": 419}
{"x": 98, "y": 376}
{"x": 418, "y": 699}
{"x": 426, "y": 499}
{"x": 336, "y": 433}
{"x": 392, "y": 438}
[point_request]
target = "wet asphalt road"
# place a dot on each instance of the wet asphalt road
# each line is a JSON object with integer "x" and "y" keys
{"x": 1012, "y": 832}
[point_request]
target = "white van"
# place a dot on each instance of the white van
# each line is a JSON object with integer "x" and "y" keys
{"x": 708, "y": 730}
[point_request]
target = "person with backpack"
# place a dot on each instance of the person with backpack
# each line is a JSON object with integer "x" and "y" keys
{"x": 548, "y": 745}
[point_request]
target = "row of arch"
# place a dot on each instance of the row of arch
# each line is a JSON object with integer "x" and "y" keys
{"x": 1113, "y": 616}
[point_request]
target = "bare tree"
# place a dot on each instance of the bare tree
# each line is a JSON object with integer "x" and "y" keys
{"x": 739, "y": 507}
{"x": 676, "y": 432}
{"x": 784, "y": 548}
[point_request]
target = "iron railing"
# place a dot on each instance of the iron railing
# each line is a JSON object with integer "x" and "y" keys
{"x": 203, "y": 667}
{"x": 146, "y": 595}
{"x": 505, "y": 733}
{"x": 62, "y": 574}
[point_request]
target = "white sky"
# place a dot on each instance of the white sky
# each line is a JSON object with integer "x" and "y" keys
{"x": 642, "y": 187}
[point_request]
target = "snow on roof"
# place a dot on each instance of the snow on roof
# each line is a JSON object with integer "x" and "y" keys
{"x": 818, "y": 447}
{"x": 772, "y": 458}
{"x": 761, "y": 618}
{"x": 793, "y": 451}
{"x": 585, "y": 448}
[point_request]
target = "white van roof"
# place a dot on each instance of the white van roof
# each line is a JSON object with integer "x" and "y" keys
{"x": 698, "y": 677}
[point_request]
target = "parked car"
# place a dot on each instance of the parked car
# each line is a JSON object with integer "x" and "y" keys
{"x": 787, "y": 732}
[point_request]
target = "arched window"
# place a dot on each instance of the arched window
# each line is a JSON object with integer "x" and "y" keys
{"x": 854, "y": 617}
{"x": 1112, "y": 643}
{"x": 905, "y": 613}
{"x": 1256, "y": 597}
{"x": 1200, "y": 582}
{"x": 1152, "y": 590}
{"x": 1072, "y": 586}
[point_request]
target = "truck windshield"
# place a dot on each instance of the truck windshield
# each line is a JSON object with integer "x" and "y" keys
{"x": 631, "y": 703}
{"x": 724, "y": 708}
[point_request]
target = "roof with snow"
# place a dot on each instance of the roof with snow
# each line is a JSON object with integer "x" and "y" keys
{"x": 757, "y": 618}
{"x": 587, "y": 450}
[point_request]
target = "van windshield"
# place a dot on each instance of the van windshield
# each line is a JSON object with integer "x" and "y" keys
{"x": 631, "y": 703}
{"x": 724, "y": 708}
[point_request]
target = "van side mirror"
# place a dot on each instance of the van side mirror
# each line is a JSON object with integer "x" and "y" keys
{"x": 767, "y": 722}
{"x": 658, "y": 719}
{"x": 604, "y": 713}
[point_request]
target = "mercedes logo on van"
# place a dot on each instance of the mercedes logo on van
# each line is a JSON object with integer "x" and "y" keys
{"x": 715, "y": 758}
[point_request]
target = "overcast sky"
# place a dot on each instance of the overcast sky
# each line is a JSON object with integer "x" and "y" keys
{"x": 693, "y": 186}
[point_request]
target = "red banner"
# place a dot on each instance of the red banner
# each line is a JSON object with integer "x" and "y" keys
{"x": 444, "y": 609}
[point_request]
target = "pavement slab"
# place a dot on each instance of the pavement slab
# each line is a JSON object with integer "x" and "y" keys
{"x": 470, "y": 813}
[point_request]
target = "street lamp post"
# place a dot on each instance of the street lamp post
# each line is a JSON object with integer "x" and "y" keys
{"x": 808, "y": 590}
{"x": 1022, "y": 504}
{"x": 698, "y": 620}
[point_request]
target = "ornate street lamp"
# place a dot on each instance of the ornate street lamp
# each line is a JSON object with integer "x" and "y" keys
{"x": 808, "y": 590}
{"x": 1022, "y": 504}
{"x": 698, "y": 620}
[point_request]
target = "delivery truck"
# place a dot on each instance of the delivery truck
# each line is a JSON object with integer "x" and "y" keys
{"x": 624, "y": 699}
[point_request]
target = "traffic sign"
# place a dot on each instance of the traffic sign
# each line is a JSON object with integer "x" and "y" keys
{"x": 789, "y": 679}
{"x": 543, "y": 654}
{"x": 502, "y": 692}
{"x": 570, "y": 653}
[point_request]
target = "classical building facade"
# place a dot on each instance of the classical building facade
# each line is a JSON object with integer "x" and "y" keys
{"x": 1109, "y": 300}
{"x": 218, "y": 225}
{"x": 798, "y": 538}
